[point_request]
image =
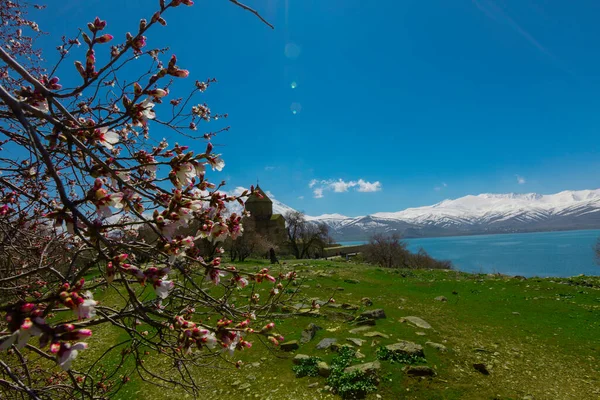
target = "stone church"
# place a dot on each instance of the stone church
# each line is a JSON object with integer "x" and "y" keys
{"x": 265, "y": 222}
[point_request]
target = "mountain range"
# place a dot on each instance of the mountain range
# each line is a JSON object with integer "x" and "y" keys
{"x": 471, "y": 215}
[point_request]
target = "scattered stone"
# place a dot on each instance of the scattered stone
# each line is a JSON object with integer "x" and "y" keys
{"x": 418, "y": 370}
{"x": 378, "y": 396}
{"x": 236, "y": 383}
{"x": 251, "y": 377}
{"x": 441, "y": 298}
{"x": 359, "y": 329}
{"x": 418, "y": 322}
{"x": 367, "y": 322}
{"x": 420, "y": 333}
{"x": 367, "y": 302}
{"x": 341, "y": 289}
{"x": 373, "y": 314}
{"x": 355, "y": 341}
{"x": 299, "y": 358}
{"x": 309, "y": 333}
{"x": 406, "y": 348}
{"x": 340, "y": 315}
{"x": 367, "y": 368}
{"x": 290, "y": 346}
{"x": 255, "y": 364}
{"x": 326, "y": 343}
{"x": 313, "y": 385}
{"x": 481, "y": 367}
{"x": 359, "y": 355}
{"x": 376, "y": 334}
{"x": 354, "y": 281}
{"x": 349, "y": 307}
{"x": 318, "y": 286}
{"x": 438, "y": 346}
{"x": 334, "y": 305}
{"x": 516, "y": 313}
{"x": 336, "y": 346}
{"x": 244, "y": 386}
{"x": 324, "y": 369}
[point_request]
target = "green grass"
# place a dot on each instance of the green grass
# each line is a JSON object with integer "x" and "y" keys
{"x": 538, "y": 337}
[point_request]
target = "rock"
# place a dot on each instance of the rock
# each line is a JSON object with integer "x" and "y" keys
{"x": 244, "y": 386}
{"x": 324, "y": 369}
{"x": 481, "y": 367}
{"x": 334, "y": 305}
{"x": 441, "y": 298}
{"x": 516, "y": 313}
{"x": 309, "y": 333}
{"x": 299, "y": 358}
{"x": 290, "y": 346}
{"x": 367, "y": 368}
{"x": 368, "y": 322}
{"x": 376, "y": 334}
{"x": 359, "y": 329}
{"x": 313, "y": 385}
{"x": 355, "y": 341}
{"x": 341, "y": 315}
{"x": 438, "y": 346}
{"x": 373, "y": 314}
{"x": 420, "y": 333}
{"x": 359, "y": 355}
{"x": 236, "y": 383}
{"x": 251, "y": 377}
{"x": 336, "y": 346}
{"x": 367, "y": 302}
{"x": 407, "y": 348}
{"x": 418, "y": 370}
{"x": 255, "y": 364}
{"x": 418, "y": 322}
{"x": 341, "y": 289}
{"x": 326, "y": 343}
{"x": 354, "y": 281}
{"x": 349, "y": 307}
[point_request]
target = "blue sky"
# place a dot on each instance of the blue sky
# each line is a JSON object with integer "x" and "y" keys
{"x": 400, "y": 105}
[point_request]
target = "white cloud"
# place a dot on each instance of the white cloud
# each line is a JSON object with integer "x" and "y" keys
{"x": 269, "y": 168}
{"x": 521, "y": 180}
{"x": 341, "y": 186}
{"x": 301, "y": 197}
{"x": 442, "y": 186}
{"x": 366, "y": 187}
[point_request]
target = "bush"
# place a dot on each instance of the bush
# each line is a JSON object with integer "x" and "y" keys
{"x": 307, "y": 367}
{"x": 350, "y": 385}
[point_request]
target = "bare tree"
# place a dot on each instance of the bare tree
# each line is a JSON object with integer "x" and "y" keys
{"x": 250, "y": 243}
{"x": 386, "y": 251}
{"x": 305, "y": 237}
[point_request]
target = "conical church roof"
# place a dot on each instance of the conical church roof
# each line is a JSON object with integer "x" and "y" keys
{"x": 254, "y": 198}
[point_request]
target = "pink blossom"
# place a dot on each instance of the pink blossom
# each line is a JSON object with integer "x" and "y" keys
{"x": 163, "y": 288}
{"x": 68, "y": 353}
{"x": 216, "y": 163}
{"x": 87, "y": 308}
{"x": 107, "y": 138}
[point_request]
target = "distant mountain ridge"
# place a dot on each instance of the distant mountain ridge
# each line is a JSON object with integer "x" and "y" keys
{"x": 472, "y": 215}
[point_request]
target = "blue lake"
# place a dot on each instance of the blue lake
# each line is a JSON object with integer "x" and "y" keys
{"x": 563, "y": 254}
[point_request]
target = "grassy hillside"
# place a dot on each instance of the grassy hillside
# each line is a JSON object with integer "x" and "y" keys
{"x": 538, "y": 338}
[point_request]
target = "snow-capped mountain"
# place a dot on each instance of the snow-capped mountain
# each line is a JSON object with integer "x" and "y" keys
{"x": 484, "y": 213}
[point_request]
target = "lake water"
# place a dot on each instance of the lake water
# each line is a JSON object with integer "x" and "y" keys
{"x": 563, "y": 254}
